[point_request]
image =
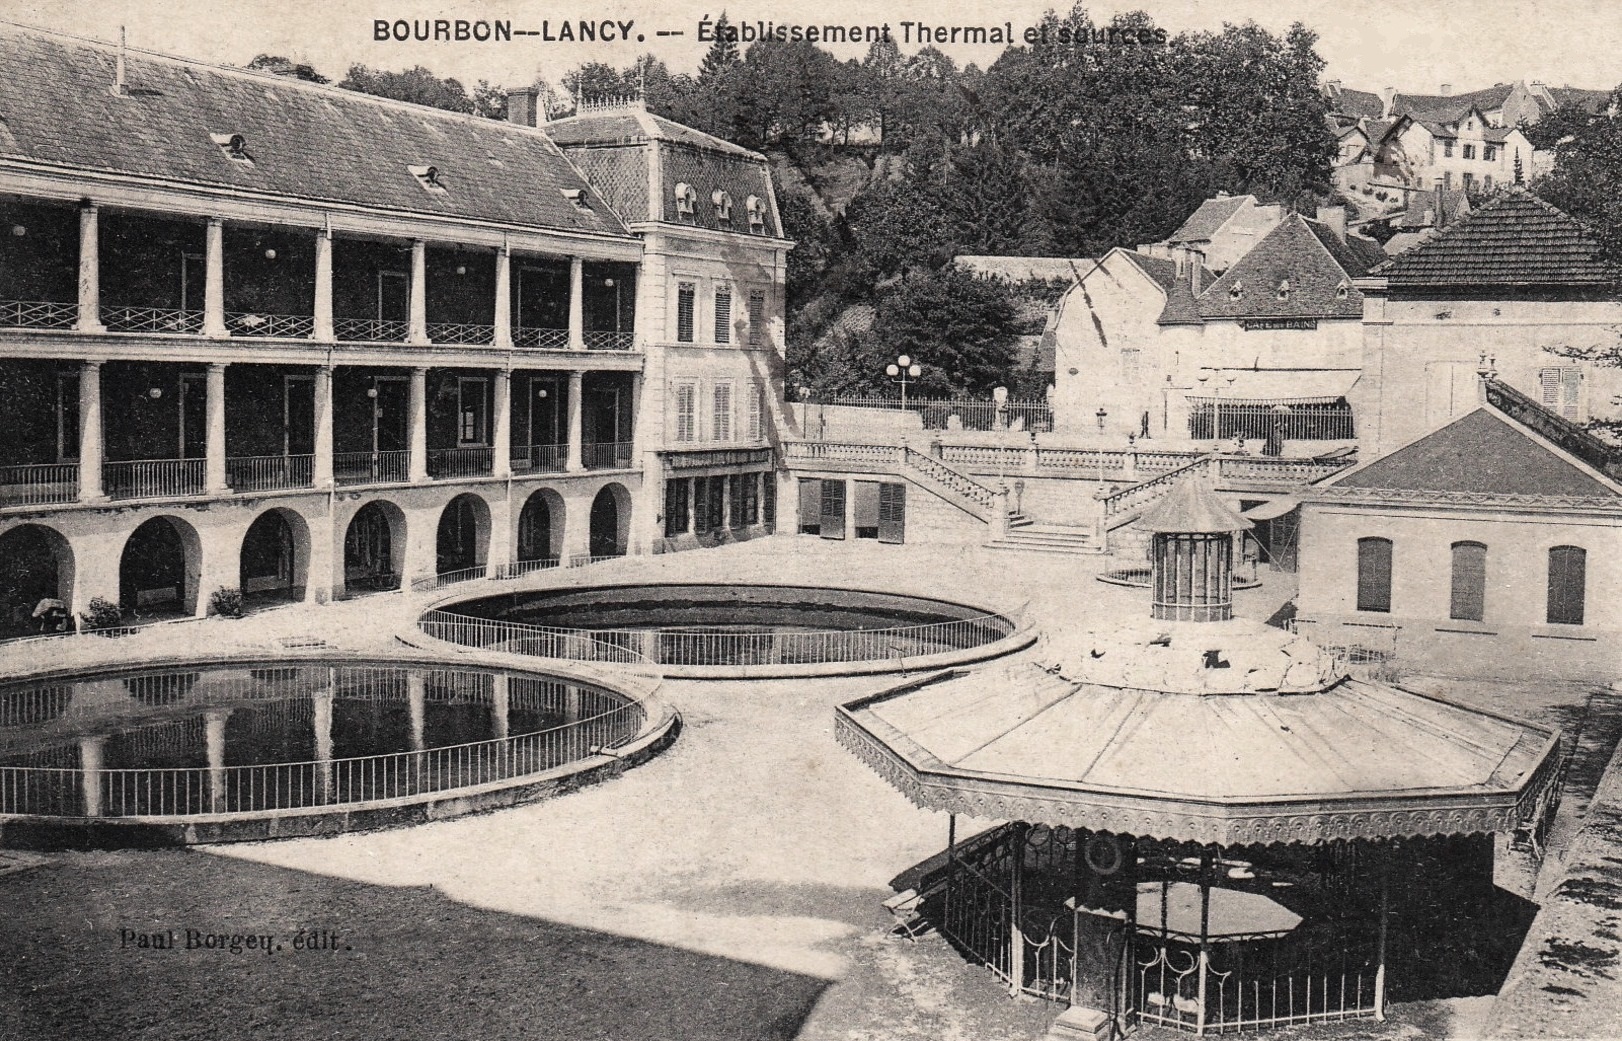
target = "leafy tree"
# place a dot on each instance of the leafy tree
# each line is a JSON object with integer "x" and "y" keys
{"x": 596, "y": 79}
{"x": 1566, "y": 121}
{"x": 723, "y": 52}
{"x": 898, "y": 224}
{"x": 415, "y": 84}
{"x": 958, "y": 327}
{"x": 490, "y": 100}
{"x": 287, "y": 67}
{"x": 786, "y": 95}
{"x": 1586, "y": 180}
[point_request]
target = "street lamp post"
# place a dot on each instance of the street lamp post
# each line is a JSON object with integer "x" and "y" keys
{"x": 903, "y": 371}
{"x": 805, "y": 407}
{"x": 1102, "y": 415}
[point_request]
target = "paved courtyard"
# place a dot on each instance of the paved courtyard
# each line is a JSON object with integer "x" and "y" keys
{"x": 730, "y": 888}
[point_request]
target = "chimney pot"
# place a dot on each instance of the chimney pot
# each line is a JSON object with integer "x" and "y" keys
{"x": 522, "y": 105}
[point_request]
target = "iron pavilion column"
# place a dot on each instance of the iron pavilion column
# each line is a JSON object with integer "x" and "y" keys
{"x": 90, "y": 437}
{"x": 214, "y": 743}
{"x": 417, "y": 707}
{"x": 321, "y": 722}
{"x": 502, "y": 339}
{"x": 89, "y": 318}
{"x": 417, "y": 331}
{"x": 214, "y": 280}
{"x": 214, "y": 481}
{"x": 577, "y": 380}
{"x": 501, "y": 462}
{"x": 91, "y": 773}
{"x": 417, "y": 427}
{"x": 577, "y": 304}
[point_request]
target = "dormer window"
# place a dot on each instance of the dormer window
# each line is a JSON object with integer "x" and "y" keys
{"x": 686, "y": 200}
{"x": 1343, "y": 291}
{"x": 577, "y": 196}
{"x": 234, "y": 147}
{"x": 1236, "y": 290}
{"x": 1284, "y": 289}
{"x": 723, "y": 205}
{"x": 428, "y": 177}
{"x": 756, "y": 207}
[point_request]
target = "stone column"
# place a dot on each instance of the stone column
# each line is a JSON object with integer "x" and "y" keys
{"x": 90, "y": 773}
{"x": 577, "y": 304}
{"x": 503, "y": 338}
{"x": 692, "y": 505}
{"x": 418, "y": 330}
{"x": 501, "y": 439}
{"x": 214, "y": 281}
{"x": 321, "y": 720}
{"x": 90, "y": 444}
{"x": 321, "y": 466}
{"x": 89, "y": 320}
{"x": 417, "y": 426}
{"x": 214, "y": 411}
{"x": 323, "y": 286}
{"x": 500, "y": 704}
{"x": 214, "y": 742}
{"x": 576, "y": 421}
{"x": 417, "y": 706}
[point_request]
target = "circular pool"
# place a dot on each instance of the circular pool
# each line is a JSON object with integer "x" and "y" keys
{"x": 245, "y": 750}
{"x": 716, "y": 630}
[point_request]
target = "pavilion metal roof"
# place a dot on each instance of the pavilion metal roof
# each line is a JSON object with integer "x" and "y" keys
{"x": 1191, "y": 508}
{"x": 1352, "y": 759}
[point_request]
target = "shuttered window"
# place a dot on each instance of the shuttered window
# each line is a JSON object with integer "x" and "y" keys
{"x": 757, "y": 317}
{"x": 721, "y": 417}
{"x": 757, "y": 395}
{"x": 1374, "y": 575}
{"x": 1469, "y": 600}
{"x": 686, "y": 301}
{"x": 686, "y": 412}
{"x": 723, "y": 314}
{"x": 676, "y": 507}
{"x": 1568, "y": 579}
{"x": 1562, "y": 390}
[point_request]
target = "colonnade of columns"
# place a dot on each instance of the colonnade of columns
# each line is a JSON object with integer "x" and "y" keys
{"x": 214, "y": 320}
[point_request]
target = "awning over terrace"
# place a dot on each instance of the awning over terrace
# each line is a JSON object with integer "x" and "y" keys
{"x": 1230, "y": 733}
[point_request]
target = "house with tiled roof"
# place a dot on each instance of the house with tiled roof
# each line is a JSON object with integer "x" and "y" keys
{"x": 1459, "y": 148}
{"x": 303, "y": 343}
{"x": 1174, "y": 350}
{"x": 1517, "y": 282}
{"x": 1485, "y": 543}
{"x": 1221, "y": 230}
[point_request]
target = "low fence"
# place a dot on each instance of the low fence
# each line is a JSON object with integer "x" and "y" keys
{"x": 1219, "y": 421}
{"x": 953, "y": 414}
{"x": 184, "y": 791}
{"x": 39, "y": 484}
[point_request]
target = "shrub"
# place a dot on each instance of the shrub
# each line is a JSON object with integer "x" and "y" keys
{"x": 102, "y": 614}
{"x": 225, "y": 602}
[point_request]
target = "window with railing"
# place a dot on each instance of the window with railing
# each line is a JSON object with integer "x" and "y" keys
{"x": 723, "y": 314}
{"x": 686, "y": 305}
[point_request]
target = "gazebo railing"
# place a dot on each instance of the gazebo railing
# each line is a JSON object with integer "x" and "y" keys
{"x": 1171, "y": 977}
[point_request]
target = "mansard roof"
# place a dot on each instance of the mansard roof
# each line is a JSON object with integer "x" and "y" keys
{"x": 59, "y": 108}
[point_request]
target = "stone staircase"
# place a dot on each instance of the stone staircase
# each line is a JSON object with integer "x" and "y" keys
{"x": 1048, "y": 538}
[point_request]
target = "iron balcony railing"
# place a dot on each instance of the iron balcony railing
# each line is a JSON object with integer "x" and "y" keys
{"x": 371, "y": 467}
{"x": 939, "y": 413}
{"x": 450, "y": 578}
{"x": 151, "y": 320}
{"x": 519, "y": 568}
{"x": 258, "y": 323}
{"x": 265, "y": 473}
{"x": 608, "y": 455}
{"x": 459, "y": 462}
{"x": 37, "y": 314}
{"x": 153, "y": 478}
{"x": 1218, "y": 420}
{"x": 191, "y": 791}
{"x": 540, "y": 458}
{"x": 536, "y": 338}
{"x": 461, "y": 334}
{"x": 39, "y": 484}
{"x": 608, "y": 340}
{"x": 370, "y": 330}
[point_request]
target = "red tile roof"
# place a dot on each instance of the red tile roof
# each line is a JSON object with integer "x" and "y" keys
{"x": 306, "y": 141}
{"x": 1513, "y": 239}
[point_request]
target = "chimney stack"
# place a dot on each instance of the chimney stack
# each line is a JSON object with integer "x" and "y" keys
{"x": 118, "y": 75}
{"x": 1387, "y": 96}
{"x": 1196, "y": 265}
{"x": 1447, "y": 90}
{"x": 1441, "y": 206}
{"x": 1334, "y": 217}
{"x": 522, "y": 105}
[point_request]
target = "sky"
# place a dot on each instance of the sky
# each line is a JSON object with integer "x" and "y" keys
{"x": 1413, "y": 45}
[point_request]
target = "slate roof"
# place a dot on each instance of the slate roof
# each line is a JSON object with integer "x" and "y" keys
{"x": 1180, "y": 308}
{"x": 1592, "y": 100}
{"x": 1212, "y": 214}
{"x": 306, "y": 141}
{"x": 1448, "y": 106}
{"x": 1482, "y": 452}
{"x": 1362, "y": 103}
{"x": 1515, "y": 238}
{"x": 630, "y": 126}
{"x": 1314, "y": 261}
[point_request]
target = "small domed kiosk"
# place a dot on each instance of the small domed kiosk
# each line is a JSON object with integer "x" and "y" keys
{"x": 1205, "y": 814}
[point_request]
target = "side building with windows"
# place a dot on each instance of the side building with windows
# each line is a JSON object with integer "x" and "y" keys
{"x": 1486, "y": 546}
{"x": 711, "y": 309}
{"x": 306, "y": 343}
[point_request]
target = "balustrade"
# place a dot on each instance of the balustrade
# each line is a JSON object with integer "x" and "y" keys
{"x": 258, "y": 323}
{"x": 37, "y": 314}
{"x": 263, "y": 473}
{"x": 153, "y": 478}
{"x": 371, "y": 467}
{"x": 460, "y": 462}
{"x": 39, "y": 484}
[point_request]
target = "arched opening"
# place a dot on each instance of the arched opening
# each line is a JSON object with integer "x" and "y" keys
{"x": 36, "y": 582}
{"x": 464, "y": 535}
{"x": 275, "y": 559}
{"x": 540, "y": 528}
{"x": 157, "y": 573}
{"x": 610, "y": 521}
{"x": 374, "y": 548}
